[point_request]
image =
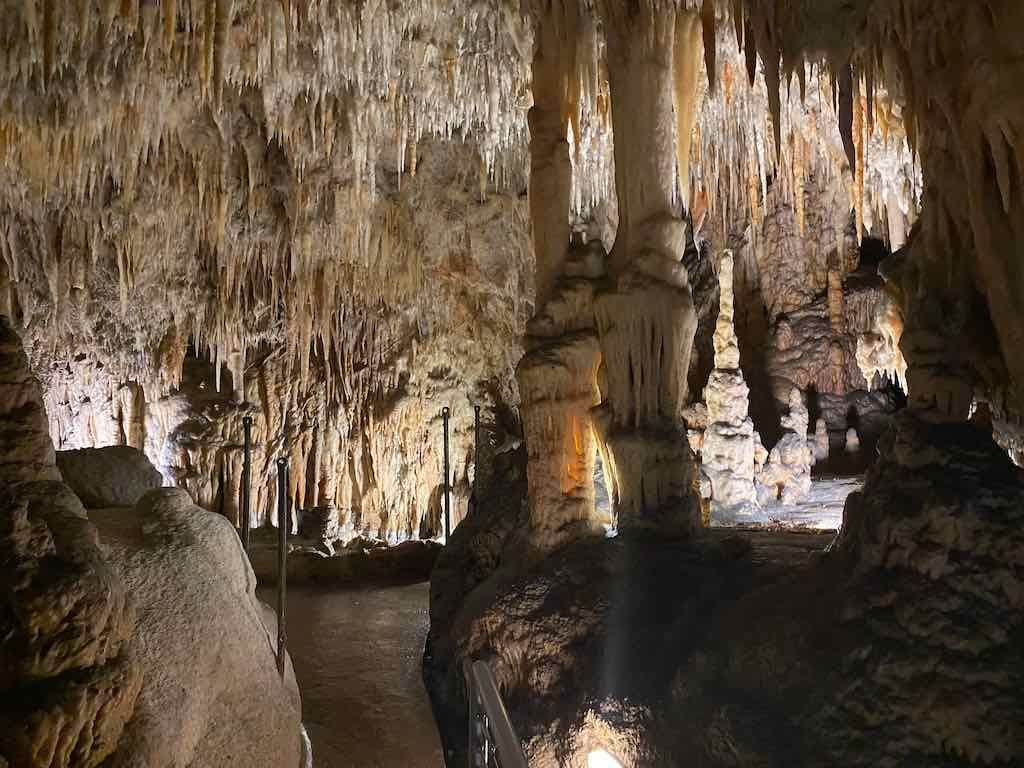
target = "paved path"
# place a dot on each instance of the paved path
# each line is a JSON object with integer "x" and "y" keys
{"x": 357, "y": 657}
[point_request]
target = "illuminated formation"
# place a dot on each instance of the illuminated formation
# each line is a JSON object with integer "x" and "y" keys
{"x": 700, "y": 264}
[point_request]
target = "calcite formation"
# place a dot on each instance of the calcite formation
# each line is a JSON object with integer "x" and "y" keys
{"x": 558, "y": 373}
{"x": 211, "y": 693}
{"x": 338, "y": 218}
{"x": 787, "y": 474}
{"x": 646, "y": 319}
{"x": 727, "y": 453}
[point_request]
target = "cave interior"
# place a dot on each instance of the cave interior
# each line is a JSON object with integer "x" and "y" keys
{"x": 659, "y": 358}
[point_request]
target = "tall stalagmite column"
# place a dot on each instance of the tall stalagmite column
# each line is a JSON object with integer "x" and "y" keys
{"x": 727, "y": 459}
{"x": 557, "y": 373}
{"x": 646, "y": 319}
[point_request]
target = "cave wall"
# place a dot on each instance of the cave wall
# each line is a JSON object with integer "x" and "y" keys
{"x": 362, "y": 429}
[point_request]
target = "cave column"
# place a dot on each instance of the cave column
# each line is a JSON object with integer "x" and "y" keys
{"x": 557, "y": 373}
{"x": 646, "y": 319}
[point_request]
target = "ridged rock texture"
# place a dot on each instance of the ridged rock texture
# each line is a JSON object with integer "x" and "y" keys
{"x": 728, "y": 454}
{"x": 69, "y": 681}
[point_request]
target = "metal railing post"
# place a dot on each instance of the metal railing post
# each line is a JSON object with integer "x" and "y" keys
{"x": 491, "y": 735}
{"x": 246, "y": 480}
{"x": 476, "y": 456}
{"x": 282, "y": 559}
{"x": 445, "y": 414}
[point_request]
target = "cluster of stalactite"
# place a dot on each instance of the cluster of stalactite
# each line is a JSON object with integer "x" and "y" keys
{"x": 231, "y": 174}
{"x": 225, "y": 174}
{"x": 956, "y": 280}
{"x": 376, "y": 462}
{"x": 857, "y": 116}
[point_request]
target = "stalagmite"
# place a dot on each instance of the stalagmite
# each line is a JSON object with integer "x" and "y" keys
{"x": 852, "y": 441}
{"x": 820, "y": 447}
{"x": 787, "y": 474}
{"x": 727, "y": 454}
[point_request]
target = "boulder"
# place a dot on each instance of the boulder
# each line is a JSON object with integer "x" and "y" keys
{"x": 211, "y": 694}
{"x": 115, "y": 476}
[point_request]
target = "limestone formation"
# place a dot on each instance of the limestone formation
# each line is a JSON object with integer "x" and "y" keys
{"x": 787, "y": 474}
{"x": 820, "y": 445}
{"x": 70, "y": 679}
{"x": 116, "y": 476}
{"x": 727, "y": 456}
{"x": 558, "y": 372}
{"x": 852, "y": 441}
{"x": 336, "y": 219}
{"x": 916, "y": 548}
{"x": 646, "y": 319}
{"x": 210, "y": 694}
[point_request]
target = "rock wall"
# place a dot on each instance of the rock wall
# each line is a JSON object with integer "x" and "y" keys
{"x": 128, "y": 636}
{"x": 70, "y": 679}
{"x": 650, "y": 671}
{"x": 211, "y": 694}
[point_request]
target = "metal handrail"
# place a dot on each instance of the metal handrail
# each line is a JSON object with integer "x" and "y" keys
{"x": 492, "y": 739}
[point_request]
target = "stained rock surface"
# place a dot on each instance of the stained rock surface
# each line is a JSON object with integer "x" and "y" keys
{"x": 68, "y": 677}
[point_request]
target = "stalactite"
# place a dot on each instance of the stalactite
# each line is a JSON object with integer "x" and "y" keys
{"x": 859, "y": 142}
{"x": 686, "y": 58}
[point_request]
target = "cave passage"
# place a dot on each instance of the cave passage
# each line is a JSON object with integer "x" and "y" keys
{"x": 644, "y": 375}
{"x": 357, "y": 656}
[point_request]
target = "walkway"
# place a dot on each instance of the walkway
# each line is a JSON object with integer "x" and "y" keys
{"x": 357, "y": 657}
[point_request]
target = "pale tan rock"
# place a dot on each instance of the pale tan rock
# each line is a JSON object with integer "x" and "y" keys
{"x": 821, "y": 445}
{"x": 786, "y": 475}
{"x": 852, "y": 441}
{"x": 728, "y": 449}
{"x": 211, "y": 694}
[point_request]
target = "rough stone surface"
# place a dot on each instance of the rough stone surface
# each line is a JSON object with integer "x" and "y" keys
{"x": 68, "y": 678}
{"x": 211, "y": 695}
{"x": 115, "y": 476}
{"x": 26, "y": 452}
{"x": 727, "y": 452}
{"x": 787, "y": 474}
{"x": 603, "y": 647}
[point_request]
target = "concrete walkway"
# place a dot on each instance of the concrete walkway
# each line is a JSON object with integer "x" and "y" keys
{"x": 357, "y": 657}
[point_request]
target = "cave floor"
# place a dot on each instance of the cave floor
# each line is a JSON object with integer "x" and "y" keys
{"x": 357, "y": 656}
{"x": 821, "y": 509}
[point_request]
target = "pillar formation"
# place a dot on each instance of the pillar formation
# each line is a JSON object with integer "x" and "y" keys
{"x": 646, "y": 319}
{"x": 557, "y": 374}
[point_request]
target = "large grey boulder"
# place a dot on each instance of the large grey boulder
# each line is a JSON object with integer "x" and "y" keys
{"x": 211, "y": 694}
{"x": 116, "y": 476}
